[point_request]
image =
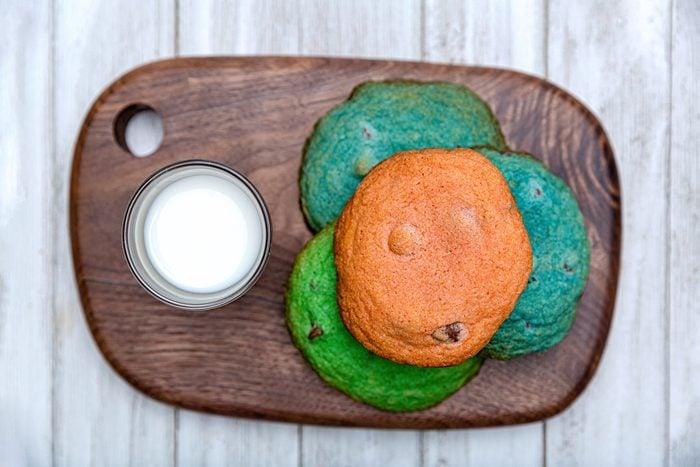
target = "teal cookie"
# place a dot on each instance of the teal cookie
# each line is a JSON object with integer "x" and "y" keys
{"x": 546, "y": 309}
{"x": 319, "y": 333}
{"x": 381, "y": 119}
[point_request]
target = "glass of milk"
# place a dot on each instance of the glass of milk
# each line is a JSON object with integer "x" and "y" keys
{"x": 197, "y": 235}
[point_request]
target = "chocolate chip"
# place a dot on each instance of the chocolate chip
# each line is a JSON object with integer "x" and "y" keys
{"x": 527, "y": 324}
{"x": 532, "y": 279}
{"x": 313, "y": 285}
{"x": 568, "y": 268}
{"x": 453, "y": 332}
{"x": 366, "y": 132}
{"x": 315, "y": 332}
{"x": 538, "y": 192}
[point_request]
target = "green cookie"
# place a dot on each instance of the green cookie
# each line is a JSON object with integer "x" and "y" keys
{"x": 546, "y": 309}
{"x": 319, "y": 333}
{"x": 379, "y": 120}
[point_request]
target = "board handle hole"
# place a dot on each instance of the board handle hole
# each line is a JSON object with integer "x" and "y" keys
{"x": 138, "y": 129}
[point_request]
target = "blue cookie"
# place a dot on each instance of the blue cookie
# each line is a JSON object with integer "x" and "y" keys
{"x": 546, "y": 309}
{"x": 379, "y": 120}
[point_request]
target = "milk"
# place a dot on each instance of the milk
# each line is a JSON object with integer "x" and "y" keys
{"x": 203, "y": 233}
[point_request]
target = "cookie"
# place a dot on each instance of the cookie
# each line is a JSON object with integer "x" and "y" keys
{"x": 381, "y": 119}
{"x": 546, "y": 309}
{"x": 317, "y": 330}
{"x": 431, "y": 255}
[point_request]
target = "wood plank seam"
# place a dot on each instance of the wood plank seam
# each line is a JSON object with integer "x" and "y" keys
{"x": 667, "y": 246}
{"x": 55, "y": 222}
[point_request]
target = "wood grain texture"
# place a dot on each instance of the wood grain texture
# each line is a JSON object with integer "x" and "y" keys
{"x": 503, "y": 33}
{"x": 464, "y": 32}
{"x": 684, "y": 226}
{"x": 98, "y": 419}
{"x": 325, "y": 28}
{"x": 209, "y": 28}
{"x": 26, "y": 250}
{"x": 254, "y": 114}
{"x": 211, "y": 440}
{"x": 351, "y": 447}
{"x": 603, "y": 40}
{"x": 618, "y": 58}
{"x": 520, "y": 445}
{"x": 215, "y": 27}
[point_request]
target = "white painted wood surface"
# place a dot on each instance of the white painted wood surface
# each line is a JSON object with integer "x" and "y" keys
{"x": 617, "y": 59}
{"x": 635, "y": 64}
{"x": 26, "y": 235}
{"x": 683, "y": 196}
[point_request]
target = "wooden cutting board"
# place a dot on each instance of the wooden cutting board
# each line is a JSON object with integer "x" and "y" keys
{"x": 254, "y": 114}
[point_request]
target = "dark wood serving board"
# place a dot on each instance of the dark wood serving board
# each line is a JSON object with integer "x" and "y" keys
{"x": 254, "y": 114}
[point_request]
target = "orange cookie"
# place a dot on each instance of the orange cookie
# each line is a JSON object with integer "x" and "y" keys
{"x": 431, "y": 255}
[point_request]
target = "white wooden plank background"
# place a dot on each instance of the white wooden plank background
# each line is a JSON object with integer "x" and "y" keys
{"x": 618, "y": 60}
{"x": 636, "y": 64}
{"x": 26, "y": 233}
{"x": 683, "y": 197}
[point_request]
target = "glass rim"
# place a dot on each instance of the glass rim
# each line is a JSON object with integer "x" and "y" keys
{"x": 141, "y": 267}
